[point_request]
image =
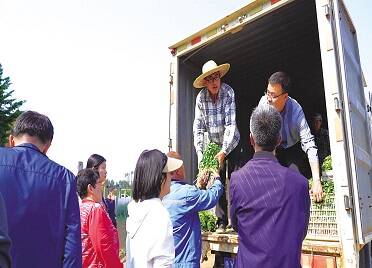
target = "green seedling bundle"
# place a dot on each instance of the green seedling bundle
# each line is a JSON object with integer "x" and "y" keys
{"x": 209, "y": 163}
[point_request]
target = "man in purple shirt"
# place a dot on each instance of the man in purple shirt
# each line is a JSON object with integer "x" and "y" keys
{"x": 270, "y": 203}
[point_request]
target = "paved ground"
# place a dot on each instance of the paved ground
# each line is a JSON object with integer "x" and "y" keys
{"x": 209, "y": 263}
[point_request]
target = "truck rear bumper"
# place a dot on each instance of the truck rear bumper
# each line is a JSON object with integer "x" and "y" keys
{"x": 315, "y": 253}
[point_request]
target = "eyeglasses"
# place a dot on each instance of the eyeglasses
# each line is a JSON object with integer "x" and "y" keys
{"x": 272, "y": 96}
{"x": 212, "y": 78}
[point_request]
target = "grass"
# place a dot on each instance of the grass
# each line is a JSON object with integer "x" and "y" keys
{"x": 122, "y": 231}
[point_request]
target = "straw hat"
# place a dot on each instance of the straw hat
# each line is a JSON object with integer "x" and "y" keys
{"x": 209, "y": 68}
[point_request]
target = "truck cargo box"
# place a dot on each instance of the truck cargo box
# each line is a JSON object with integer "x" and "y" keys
{"x": 315, "y": 42}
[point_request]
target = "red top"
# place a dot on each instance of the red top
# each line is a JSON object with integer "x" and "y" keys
{"x": 99, "y": 237}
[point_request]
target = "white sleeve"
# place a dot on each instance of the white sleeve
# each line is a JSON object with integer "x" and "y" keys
{"x": 162, "y": 253}
{"x": 198, "y": 126}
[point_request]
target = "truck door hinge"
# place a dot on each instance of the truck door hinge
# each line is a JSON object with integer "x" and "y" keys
{"x": 347, "y": 203}
{"x": 337, "y": 104}
{"x": 327, "y": 11}
{"x": 171, "y": 80}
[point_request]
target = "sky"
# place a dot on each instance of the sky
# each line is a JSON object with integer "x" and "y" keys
{"x": 99, "y": 69}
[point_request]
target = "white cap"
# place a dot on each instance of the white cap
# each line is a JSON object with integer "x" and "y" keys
{"x": 172, "y": 164}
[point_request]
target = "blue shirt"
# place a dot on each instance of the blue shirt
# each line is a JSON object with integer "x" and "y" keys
{"x": 110, "y": 207}
{"x": 270, "y": 209}
{"x": 4, "y": 239}
{"x": 183, "y": 203}
{"x": 295, "y": 128}
{"x": 216, "y": 118}
{"x": 42, "y": 209}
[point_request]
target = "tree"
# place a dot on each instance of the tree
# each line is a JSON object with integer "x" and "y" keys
{"x": 124, "y": 184}
{"x": 9, "y": 108}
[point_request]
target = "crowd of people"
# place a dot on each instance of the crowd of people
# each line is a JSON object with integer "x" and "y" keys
{"x": 51, "y": 218}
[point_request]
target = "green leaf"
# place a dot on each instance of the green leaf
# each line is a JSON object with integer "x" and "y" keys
{"x": 327, "y": 163}
{"x": 208, "y": 221}
{"x": 209, "y": 161}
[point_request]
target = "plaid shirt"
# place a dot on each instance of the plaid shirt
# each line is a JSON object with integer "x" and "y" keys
{"x": 218, "y": 119}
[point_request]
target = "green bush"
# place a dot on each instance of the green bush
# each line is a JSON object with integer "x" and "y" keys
{"x": 327, "y": 163}
{"x": 208, "y": 221}
{"x": 209, "y": 162}
{"x": 328, "y": 190}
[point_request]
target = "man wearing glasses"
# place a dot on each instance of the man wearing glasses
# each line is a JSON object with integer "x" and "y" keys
{"x": 215, "y": 114}
{"x": 296, "y": 134}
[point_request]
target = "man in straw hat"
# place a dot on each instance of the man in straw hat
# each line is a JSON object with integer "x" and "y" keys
{"x": 215, "y": 114}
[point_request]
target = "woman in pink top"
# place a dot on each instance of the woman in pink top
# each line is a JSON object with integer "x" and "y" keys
{"x": 99, "y": 237}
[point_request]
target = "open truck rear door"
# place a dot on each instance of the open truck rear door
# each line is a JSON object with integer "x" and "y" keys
{"x": 356, "y": 124}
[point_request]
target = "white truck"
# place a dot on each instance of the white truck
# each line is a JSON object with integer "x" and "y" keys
{"x": 316, "y": 43}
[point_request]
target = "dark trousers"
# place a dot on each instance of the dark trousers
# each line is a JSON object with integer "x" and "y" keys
{"x": 232, "y": 163}
{"x": 294, "y": 158}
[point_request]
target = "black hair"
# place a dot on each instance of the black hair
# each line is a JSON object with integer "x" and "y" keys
{"x": 148, "y": 175}
{"x": 94, "y": 161}
{"x": 84, "y": 178}
{"x": 265, "y": 127}
{"x": 318, "y": 116}
{"x": 34, "y": 124}
{"x": 282, "y": 79}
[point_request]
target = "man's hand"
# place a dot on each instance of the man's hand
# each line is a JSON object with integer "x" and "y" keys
{"x": 202, "y": 180}
{"x": 221, "y": 158}
{"x": 206, "y": 179}
{"x": 212, "y": 177}
{"x": 317, "y": 191}
{"x": 215, "y": 174}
